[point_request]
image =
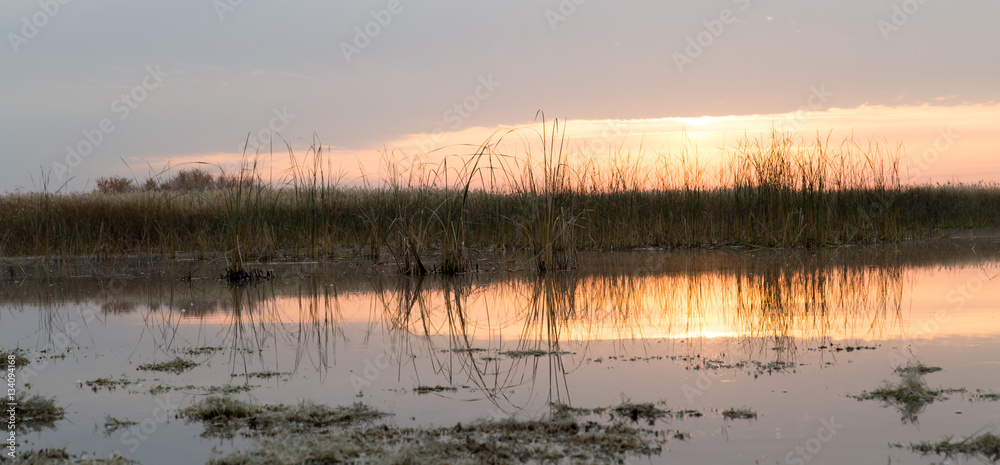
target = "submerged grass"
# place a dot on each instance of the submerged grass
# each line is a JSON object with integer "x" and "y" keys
{"x": 497, "y": 442}
{"x": 985, "y": 446}
{"x": 36, "y": 412}
{"x": 531, "y": 353}
{"x": 223, "y": 415}
{"x": 59, "y": 456}
{"x": 313, "y": 433}
{"x": 108, "y": 383}
{"x": 17, "y": 356}
{"x": 739, "y": 414}
{"x": 112, "y": 424}
{"x": 508, "y": 441}
{"x": 518, "y": 191}
{"x": 911, "y": 395}
{"x": 429, "y": 389}
{"x": 176, "y": 366}
{"x": 295, "y": 449}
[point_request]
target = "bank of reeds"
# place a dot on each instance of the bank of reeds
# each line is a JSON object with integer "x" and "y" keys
{"x": 431, "y": 216}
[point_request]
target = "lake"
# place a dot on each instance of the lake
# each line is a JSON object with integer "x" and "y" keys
{"x": 754, "y": 356}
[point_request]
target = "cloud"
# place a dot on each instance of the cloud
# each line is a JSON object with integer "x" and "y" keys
{"x": 606, "y": 60}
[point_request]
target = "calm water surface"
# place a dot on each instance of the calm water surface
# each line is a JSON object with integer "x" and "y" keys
{"x": 788, "y": 334}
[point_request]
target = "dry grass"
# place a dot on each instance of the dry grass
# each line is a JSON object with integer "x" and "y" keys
{"x": 295, "y": 449}
{"x": 429, "y": 389}
{"x": 112, "y": 424}
{"x": 911, "y": 395}
{"x": 108, "y": 383}
{"x": 536, "y": 197}
{"x": 739, "y": 414}
{"x": 311, "y": 433}
{"x": 14, "y": 355}
{"x": 37, "y": 412}
{"x": 51, "y": 456}
{"x": 507, "y": 441}
{"x": 223, "y": 415}
{"x": 176, "y": 366}
{"x": 985, "y": 446}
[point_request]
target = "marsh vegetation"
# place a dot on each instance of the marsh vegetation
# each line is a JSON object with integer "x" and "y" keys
{"x": 521, "y": 191}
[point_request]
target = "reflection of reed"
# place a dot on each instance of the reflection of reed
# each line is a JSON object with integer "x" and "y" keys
{"x": 777, "y": 306}
{"x": 761, "y": 299}
{"x": 471, "y": 325}
{"x": 768, "y": 306}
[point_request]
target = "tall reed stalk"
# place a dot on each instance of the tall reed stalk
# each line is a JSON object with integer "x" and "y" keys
{"x": 520, "y": 190}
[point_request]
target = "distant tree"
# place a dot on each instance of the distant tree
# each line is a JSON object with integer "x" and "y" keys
{"x": 115, "y": 185}
{"x": 190, "y": 180}
{"x": 244, "y": 180}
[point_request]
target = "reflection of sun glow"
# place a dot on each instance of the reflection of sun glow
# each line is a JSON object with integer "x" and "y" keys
{"x": 837, "y": 304}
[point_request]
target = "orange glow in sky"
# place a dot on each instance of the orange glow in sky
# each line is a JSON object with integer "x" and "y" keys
{"x": 938, "y": 143}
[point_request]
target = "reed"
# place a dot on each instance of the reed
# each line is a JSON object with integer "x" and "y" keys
{"x": 519, "y": 191}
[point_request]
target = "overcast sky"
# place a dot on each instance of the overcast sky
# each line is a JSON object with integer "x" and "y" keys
{"x": 197, "y": 76}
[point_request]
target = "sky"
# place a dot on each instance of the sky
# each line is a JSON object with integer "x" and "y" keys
{"x": 104, "y": 87}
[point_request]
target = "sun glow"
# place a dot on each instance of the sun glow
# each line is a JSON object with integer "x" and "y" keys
{"x": 937, "y": 143}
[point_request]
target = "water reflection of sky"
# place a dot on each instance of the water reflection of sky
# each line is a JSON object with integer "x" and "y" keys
{"x": 789, "y": 334}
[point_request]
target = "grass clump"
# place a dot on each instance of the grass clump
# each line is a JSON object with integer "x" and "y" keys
{"x": 175, "y": 366}
{"x": 112, "y": 424}
{"x": 739, "y": 414}
{"x": 108, "y": 383}
{"x": 51, "y": 456}
{"x": 310, "y": 433}
{"x": 508, "y": 441}
{"x": 647, "y": 411}
{"x": 225, "y": 414}
{"x": 196, "y": 351}
{"x": 266, "y": 374}
{"x": 36, "y": 412}
{"x": 911, "y": 395}
{"x": 636, "y": 411}
{"x": 531, "y": 353}
{"x": 916, "y": 368}
{"x": 295, "y": 449}
{"x": 464, "y": 350}
{"x": 429, "y": 389}
{"x": 990, "y": 396}
{"x": 18, "y": 356}
{"x": 224, "y": 389}
{"x": 985, "y": 446}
